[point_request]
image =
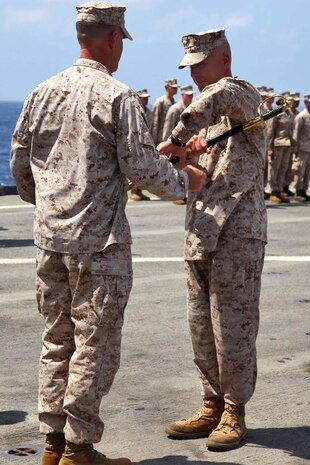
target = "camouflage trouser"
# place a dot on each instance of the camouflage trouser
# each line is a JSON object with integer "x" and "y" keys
{"x": 82, "y": 299}
{"x": 302, "y": 170}
{"x": 278, "y": 165}
{"x": 223, "y": 312}
{"x": 289, "y": 175}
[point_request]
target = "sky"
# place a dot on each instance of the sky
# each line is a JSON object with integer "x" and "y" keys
{"x": 269, "y": 40}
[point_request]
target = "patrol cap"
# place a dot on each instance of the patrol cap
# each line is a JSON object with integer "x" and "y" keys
{"x": 262, "y": 90}
{"x": 307, "y": 97}
{"x": 199, "y": 46}
{"x": 103, "y": 13}
{"x": 143, "y": 93}
{"x": 188, "y": 90}
{"x": 171, "y": 82}
{"x": 271, "y": 92}
{"x": 285, "y": 95}
{"x": 295, "y": 95}
{"x": 288, "y": 96}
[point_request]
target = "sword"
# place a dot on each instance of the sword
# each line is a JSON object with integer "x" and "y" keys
{"x": 261, "y": 118}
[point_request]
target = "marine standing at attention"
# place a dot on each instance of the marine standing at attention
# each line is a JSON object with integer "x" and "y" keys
{"x": 160, "y": 108}
{"x": 136, "y": 194}
{"x": 80, "y": 136}
{"x": 174, "y": 112}
{"x": 224, "y": 241}
{"x": 301, "y": 136}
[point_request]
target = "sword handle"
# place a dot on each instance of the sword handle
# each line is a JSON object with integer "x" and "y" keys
{"x": 225, "y": 135}
{"x": 273, "y": 113}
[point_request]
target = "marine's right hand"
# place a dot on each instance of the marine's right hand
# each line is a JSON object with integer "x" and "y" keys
{"x": 197, "y": 145}
{"x": 196, "y": 178}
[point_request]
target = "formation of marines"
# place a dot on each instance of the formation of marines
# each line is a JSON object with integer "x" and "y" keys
{"x": 287, "y": 161}
{"x": 288, "y": 147}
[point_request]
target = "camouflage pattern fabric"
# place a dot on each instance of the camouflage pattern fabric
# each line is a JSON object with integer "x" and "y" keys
{"x": 72, "y": 153}
{"x": 234, "y": 192}
{"x": 79, "y": 137}
{"x": 82, "y": 299}
{"x": 301, "y": 136}
{"x": 159, "y": 110}
{"x": 280, "y": 140}
{"x": 225, "y": 236}
{"x": 223, "y": 312}
{"x": 172, "y": 118}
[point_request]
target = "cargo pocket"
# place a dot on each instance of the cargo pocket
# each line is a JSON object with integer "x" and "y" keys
{"x": 111, "y": 300}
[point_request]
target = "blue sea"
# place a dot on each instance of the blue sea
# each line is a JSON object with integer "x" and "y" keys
{"x": 9, "y": 112}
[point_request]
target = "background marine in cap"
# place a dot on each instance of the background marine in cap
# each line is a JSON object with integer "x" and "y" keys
{"x": 294, "y": 98}
{"x": 80, "y": 136}
{"x": 136, "y": 194}
{"x": 174, "y": 112}
{"x": 268, "y": 96}
{"x": 144, "y": 99}
{"x": 280, "y": 141}
{"x": 225, "y": 239}
{"x": 160, "y": 108}
{"x": 173, "y": 116}
{"x": 301, "y": 136}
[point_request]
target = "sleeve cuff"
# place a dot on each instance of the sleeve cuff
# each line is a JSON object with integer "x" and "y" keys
{"x": 181, "y": 133}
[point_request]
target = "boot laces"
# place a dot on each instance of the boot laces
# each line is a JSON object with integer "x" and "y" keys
{"x": 228, "y": 424}
{"x": 202, "y": 414}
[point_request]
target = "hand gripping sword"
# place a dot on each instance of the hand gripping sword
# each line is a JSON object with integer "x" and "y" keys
{"x": 260, "y": 119}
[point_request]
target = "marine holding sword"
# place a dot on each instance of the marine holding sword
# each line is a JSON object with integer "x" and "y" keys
{"x": 225, "y": 239}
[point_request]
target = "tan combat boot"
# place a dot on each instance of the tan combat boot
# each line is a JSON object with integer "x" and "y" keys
{"x": 180, "y": 201}
{"x": 201, "y": 424}
{"x": 137, "y": 195}
{"x": 231, "y": 429}
{"x": 53, "y": 449}
{"x": 299, "y": 197}
{"x": 85, "y": 454}
{"x": 275, "y": 197}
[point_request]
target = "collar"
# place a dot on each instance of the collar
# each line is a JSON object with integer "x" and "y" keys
{"x": 92, "y": 64}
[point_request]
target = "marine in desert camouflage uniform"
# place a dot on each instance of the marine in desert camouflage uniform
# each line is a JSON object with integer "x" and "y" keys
{"x": 175, "y": 111}
{"x": 144, "y": 99}
{"x": 280, "y": 147}
{"x": 136, "y": 194}
{"x": 268, "y": 96}
{"x": 224, "y": 241}
{"x": 301, "y": 136}
{"x": 80, "y": 135}
{"x": 160, "y": 108}
{"x": 294, "y": 98}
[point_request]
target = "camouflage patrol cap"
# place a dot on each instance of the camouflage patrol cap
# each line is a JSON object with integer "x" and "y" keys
{"x": 199, "y": 46}
{"x": 262, "y": 90}
{"x": 271, "y": 92}
{"x": 103, "y": 13}
{"x": 287, "y": 95}
{"x": 188, "y": 90}
{"x": 143, "y": 93}
{"x": 307, "y": 97}
{"x": 295, "y": 96}
{"x": 171, "y": 82}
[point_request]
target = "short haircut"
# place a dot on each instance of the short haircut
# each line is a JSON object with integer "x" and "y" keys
{"x": 87, "y": 31}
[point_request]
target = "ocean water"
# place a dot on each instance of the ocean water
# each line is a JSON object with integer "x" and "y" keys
{"x": 9, "y": 112}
